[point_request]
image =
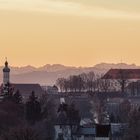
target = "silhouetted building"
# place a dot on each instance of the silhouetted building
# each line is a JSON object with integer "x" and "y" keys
{"x": 50, "y": 89}
{"x": 133, "y": 89}
{"x": 6, "y": 74}
{"x": 5, "y": 87}
{"x": 26, "y": 89}
{"x": 122, "y": 73}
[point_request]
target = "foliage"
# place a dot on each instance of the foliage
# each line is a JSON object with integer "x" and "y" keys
{"x": 40, "y": 115}
{"x": 33, "y": 109}
{"x": 84, "y": 83}
{"x": 72, "y": 114}
{"x": 48, "y": 108}
{"x": 125, "y": 108}
{"x": 123, "y": 80}
{"x": 133, "y": 131}
{"x": 11, "y": 115}
{"x": 17, "y": 98}
{"x": 21, "y": 134}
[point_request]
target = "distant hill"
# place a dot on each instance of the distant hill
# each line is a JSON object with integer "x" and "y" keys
{"x": 48, "y": 74}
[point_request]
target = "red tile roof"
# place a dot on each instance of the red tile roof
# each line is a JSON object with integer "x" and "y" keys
{"x": 122, "y": 74}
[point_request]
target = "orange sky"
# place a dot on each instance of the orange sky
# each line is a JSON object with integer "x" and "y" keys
{"x": 79, "y": 33}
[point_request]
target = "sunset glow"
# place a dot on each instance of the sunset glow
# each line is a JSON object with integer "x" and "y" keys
{"x": 70, "y": 32}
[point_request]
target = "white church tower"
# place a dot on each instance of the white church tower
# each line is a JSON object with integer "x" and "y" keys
{"x": 6, "y": 74}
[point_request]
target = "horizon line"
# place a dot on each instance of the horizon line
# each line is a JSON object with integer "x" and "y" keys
{"x": 29, "y": 65}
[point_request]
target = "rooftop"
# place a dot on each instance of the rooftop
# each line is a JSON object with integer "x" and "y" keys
{"x": 122, "y": 73}
{"x": 28, "y": 88}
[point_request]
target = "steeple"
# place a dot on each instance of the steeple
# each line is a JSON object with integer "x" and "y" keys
{"x": 6, "y": 68}
{"x": 6, "y": 63}
{"x": 6, "y": 73}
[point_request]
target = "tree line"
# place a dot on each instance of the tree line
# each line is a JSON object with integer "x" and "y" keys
{"x": 85, "y": 82}
{"x": 30, "y": 120}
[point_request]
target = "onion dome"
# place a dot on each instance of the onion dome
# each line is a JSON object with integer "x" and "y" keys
{"x": 6, "y": 68}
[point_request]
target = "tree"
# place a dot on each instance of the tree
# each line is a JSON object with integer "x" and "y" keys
{"x": 91, "y": 81}
{"x": 85, "y": 82}
{"x": 106, "y": 85}
{"x": 98, "y": 109}
{"x": 21, "y": 134}
{"x": 133, "y": 131}
{"x": 11, "y": 115}
{"x": 17, "y": 98}
{"x": 45, "y": 126}
{"x": 66, "y": 85}
{"x": 84, "y": 78}
{"x": 8, "y": 92}
{"x": 125, "y": 108}
{"x": 48, "y": 108}
{"x": 60, "y": 83}
{"x": 33, "y": 109}
{"x": 123, "y": 80}
{"x": 72, "y": 115}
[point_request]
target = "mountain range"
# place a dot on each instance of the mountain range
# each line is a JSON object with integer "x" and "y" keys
{"x": 48, "y": 74}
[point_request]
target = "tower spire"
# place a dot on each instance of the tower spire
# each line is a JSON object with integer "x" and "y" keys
{"x": 6, "y": 62}
{"x": 6, "y": 73}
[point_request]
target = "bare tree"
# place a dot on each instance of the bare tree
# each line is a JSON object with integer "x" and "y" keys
{"x": 84, "y": 80}
{"x": 60, "y": 83}
{"x": 123, "y": 80}
{"x": 91, "y": 81}
{"x": 106, "y": 85}
{"x": 76, "y": 83}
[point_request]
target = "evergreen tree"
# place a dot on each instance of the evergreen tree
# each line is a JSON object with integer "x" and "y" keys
{"x": 17, "y": 98}
{"x": 21, "y": 134}
{"x": 33, "y": 109}
{"x": 133, "y": 132}
{"x": 7, "y": 92}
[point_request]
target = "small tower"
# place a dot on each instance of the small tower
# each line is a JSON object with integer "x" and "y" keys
{"x": 6, "y": 74}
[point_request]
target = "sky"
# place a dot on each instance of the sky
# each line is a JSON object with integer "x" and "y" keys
{"x": 69, "y": 32}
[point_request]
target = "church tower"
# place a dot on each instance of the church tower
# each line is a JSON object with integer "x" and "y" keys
{"x": 6, "y": 74}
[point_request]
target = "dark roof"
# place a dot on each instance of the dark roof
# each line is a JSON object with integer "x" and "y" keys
{"x": 122, "y": 73}
{"x": 62, "y": 119}
{"x": 28, "y": 88}
{"x": 85, "y": 131}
